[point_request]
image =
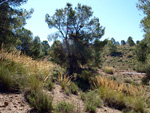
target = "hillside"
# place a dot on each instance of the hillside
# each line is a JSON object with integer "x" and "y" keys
{"x": 29, "y": 85}
{"x": 124, "y": 59}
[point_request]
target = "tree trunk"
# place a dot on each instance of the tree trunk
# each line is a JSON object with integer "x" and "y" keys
{"x": 70, "y": 58}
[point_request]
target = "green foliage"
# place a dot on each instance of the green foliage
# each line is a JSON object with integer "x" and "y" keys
{"x": 110, "y": 48}
{"x": 98, "y": 47}
{"x": 12, "y": 17}
{"x": 83, "y": 79}
{"x": 45, "y": 47}
{"x": 25, "y": 36}
{"x": 145, "y": 22}
{"x": 123, "y": 42}
{"x": 64, "y": 107}
{"x": 130, "y": 41}
{"x": 36, "y": 47}
{"x": 57, "y": 53}
{"x": 85, "y": 75}
{"x": 11, "y": 76}
{"x": 50, "y": 85}
{"x": 142, "y": 50}
{"x": 77, "y": 29}
{"x": 74, "y": 88}
{"x": 92, "y": 101}
{"x": 40, "y": 101}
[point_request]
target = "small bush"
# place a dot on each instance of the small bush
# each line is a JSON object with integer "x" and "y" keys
{"x": 145, "y": 81}
{"x": 40, "y": 101}
{"x": 83, "y": 79}
{"x": 64, "y": 107}
{"x": 90, "y": 108}
{"x": 92, "y": 101}
{"x": 50, "y": 85}
{"x": 85, "y": 75}
{"x": 74, "y": 88}
{"x": 108, "y": 70}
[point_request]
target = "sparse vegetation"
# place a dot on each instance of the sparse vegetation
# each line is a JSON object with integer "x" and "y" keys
{"x": 40, "y": 101}
{"x": 92, "y": 101}
{"x": 64, "y": 107}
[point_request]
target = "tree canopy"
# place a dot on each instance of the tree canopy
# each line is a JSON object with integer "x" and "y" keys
{"x": 12, "y": 18}
{"x": 78, "y": 30}
{"x": 130, "y": 41}
{"x": 144, "y": 5}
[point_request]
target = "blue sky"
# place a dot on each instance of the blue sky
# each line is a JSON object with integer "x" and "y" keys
{"x": 121, "y": 18}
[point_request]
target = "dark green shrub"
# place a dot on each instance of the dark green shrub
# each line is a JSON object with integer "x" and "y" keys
{"x": 85, "y": 75}
{"x": 64, "y": 107}
{"x": 145, "y": 81}
{"x": 83, "y": 79}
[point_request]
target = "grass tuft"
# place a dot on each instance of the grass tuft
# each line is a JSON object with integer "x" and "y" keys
{"x": 109, "y": 70}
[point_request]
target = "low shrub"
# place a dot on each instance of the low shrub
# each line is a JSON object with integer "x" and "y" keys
{"x": 74, "y": 88}
{"x": 108, "y": 70}
{"x": 92, "y": 100}
{"x": 145, "y": 81}
{"x": 50, "y": 85}
{"x": 64, "y": 107}
{"x": 83, "y": 81}
{"x": 40, "y": 101}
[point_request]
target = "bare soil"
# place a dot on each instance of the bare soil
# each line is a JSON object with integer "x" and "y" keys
{"x": 13, "y": 103}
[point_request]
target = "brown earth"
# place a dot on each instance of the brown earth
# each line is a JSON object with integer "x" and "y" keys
{"x": 16, "y": 103}
{"x": 13, "y": 103}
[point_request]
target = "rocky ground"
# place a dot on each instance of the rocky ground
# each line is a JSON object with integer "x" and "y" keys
{"x": 13, "y": 103}
{"x": 59, "y": 95}
{"x": 16, "y": 103}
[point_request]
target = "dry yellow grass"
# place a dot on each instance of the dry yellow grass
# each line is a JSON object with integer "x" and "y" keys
{"x": 33, "y": 67}
{"x": 64, "y": 80}
{"x": 126, "y": 88}
{"x": 108, "y": 70}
